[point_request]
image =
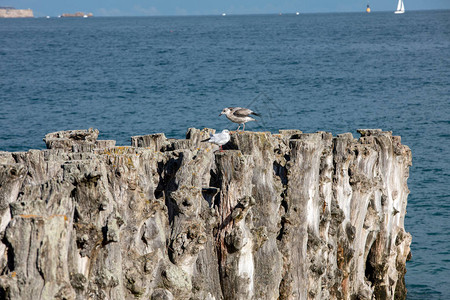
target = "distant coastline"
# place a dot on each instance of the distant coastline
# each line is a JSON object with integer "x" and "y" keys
{"x": 11, "y": 12}
{"x": 77, "y": 15}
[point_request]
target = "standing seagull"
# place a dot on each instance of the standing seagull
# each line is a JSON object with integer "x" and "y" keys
{"x": 239, "y": 115}
{"x": 219, "y": 138}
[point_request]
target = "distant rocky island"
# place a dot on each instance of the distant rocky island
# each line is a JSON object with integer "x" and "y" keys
{"x": 11, "y": 12}
{"x": 78, "y": 14}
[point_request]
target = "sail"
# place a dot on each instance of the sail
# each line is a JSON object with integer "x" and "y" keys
{"x": 399, "y": 5}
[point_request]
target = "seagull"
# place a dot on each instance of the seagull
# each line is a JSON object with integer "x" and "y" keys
{"x": 239, "y": 115}
{"x": 219, "y": 138}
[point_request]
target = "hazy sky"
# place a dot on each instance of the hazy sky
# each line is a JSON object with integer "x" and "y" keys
{"x": 212, "y": 7}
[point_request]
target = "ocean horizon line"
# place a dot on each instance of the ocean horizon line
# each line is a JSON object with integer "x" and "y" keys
{"x": 227, "y": 14}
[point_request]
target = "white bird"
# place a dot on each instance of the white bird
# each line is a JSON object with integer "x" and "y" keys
{"x": 219, "y": 138}
{"x": 239, "y": 115}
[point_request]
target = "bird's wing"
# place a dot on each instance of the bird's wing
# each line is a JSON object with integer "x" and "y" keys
{"x": 242, "y": 112}
{"x": 213, "y": 138}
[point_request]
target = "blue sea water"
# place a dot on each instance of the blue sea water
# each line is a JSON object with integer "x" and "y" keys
{"x": 331, "y": 72}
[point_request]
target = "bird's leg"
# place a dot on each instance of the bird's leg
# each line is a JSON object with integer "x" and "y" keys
{"x": 243, "y": 129}
{"x": 221, "y": 150}
{"x": 238, "y": 127}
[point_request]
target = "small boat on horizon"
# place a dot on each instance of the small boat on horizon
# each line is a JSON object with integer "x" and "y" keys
{"x": 400, "y": 7}
{"x": 368, "y": 8}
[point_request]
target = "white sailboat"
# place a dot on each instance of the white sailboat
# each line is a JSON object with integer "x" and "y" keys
{"x": 400, "y": 7}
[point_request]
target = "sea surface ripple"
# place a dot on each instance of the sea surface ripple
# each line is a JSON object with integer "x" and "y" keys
{"x": 328, "y": 72}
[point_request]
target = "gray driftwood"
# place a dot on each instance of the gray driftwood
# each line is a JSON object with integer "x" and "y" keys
{"x": 275, "y": 216}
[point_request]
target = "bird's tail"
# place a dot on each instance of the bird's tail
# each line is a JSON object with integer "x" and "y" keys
{"x": 256, "y": 114}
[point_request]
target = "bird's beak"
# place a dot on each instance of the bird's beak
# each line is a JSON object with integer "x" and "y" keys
{"x": 220, "y": 114}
